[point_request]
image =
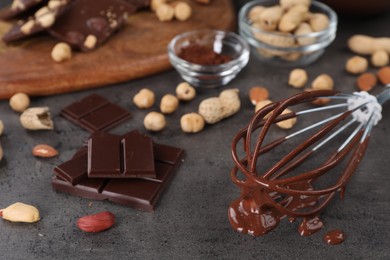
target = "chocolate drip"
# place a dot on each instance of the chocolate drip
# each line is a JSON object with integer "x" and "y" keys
{"x": 334, "y": 237}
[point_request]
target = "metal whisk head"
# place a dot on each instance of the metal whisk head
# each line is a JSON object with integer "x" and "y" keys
{"x": 271, "y": 194}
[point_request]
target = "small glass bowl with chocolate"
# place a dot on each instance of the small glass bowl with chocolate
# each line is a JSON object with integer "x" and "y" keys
{"x": 208, "y": 58}
{"x": 287, "y": 33}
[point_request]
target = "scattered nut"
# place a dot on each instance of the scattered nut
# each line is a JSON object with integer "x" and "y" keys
{"x": 257, "y": 94}
{"x": 36, "y": 118}
{"x": 61, "y": 52}
{"x": 362, "y": 44}
{"x": 356, "y": 65}
{"x": 90, "y": 41}
{"x": 46, "y": 20}
{"x": 322, "y": 82}
{"x": 262, "y": 104}
{"x": 318, "y": 22}
{"x": 215, "y": 109}
{"x": 44, "y": 150}
{"x": 165, "y": 12}
{"x": 19, "y": 102}
{"x": 185, "y": 91}
{"x": 380, "y": 58}
{"x": 154, "y": 121}
{"x": 97, "y": 222}
{"x": 366, "y": 81}
{"x": 169, "y": 103}
{"x": 20, "y": 212}
{"x": 27, "y": 27}
{"x": 192, "y": 123}
{"x": 183, "y": 11}
{"x": 298, "y": 78}
{"x": 288, "y": 123}
{"x": 144, "y": 98}
{"x": 384, "y": 75}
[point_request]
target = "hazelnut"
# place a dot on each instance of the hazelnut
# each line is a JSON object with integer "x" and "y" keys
{"x": 154, "y": 4}
{"x": 356, "y": 65}
{"x": 90, "y": 41}
{"x": 19, "y": 102}
{"x": 61, "y": 52}
{"x": 298, "y": 78}
{"x": 322, "y": 82}
{"x": 46, "y": 20}
{"x": 154, "y": 121}
{"x": 27, "y": 27}
{"x": 380, "y": 58}
{"x": 185, "y": 91}
{"x": 257, "y": 94}
{"x": 192, "y": 123}
{"x": 384, "y": 75}
{"x": 144, "y": 98}
{"x": 165, "y": 12}
{"x": 288, "y": 123}
{"x": 183, "y": 11}
{"x": 169, "y": 103}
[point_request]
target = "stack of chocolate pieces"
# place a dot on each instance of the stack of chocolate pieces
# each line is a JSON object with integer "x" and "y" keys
{"x": 84, "y": 24}
{"x": 131, "y": 169}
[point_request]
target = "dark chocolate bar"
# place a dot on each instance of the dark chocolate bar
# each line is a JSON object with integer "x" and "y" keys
{"x": 42, "y": 19}
{"x": 139, "y": 193}
{"x": 95, "y": 113}
{"x": 19, "y": 7}
{"x": 88, "y": 23}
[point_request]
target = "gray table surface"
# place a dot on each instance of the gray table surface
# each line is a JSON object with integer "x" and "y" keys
{"x": 191, "y": 217}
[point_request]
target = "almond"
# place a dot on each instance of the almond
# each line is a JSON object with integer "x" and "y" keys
{"x": 97, "y": 222}
{"x": 366, "y": 81}
{"x": 384, "y": 75}
{"x": 257, "y": 94}
{"x": 44, "y": 150}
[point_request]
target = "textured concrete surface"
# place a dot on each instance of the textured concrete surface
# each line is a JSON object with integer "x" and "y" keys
{"x": 191, "y": 218}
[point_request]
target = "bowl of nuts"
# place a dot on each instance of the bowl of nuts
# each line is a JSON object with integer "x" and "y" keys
{"x": 288, "y": 32}
{"x": 208, "y": 58}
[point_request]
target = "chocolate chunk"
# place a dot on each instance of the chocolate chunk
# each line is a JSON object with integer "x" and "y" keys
{"x": 104, "y": 155}
{"x": 139, "y": 3}
{"x": 74, "y": 170}
{"x": 87, "y": 188}
{"x": 138, "y": 156}
{"x": 95, "y": 113}
{"x": 87, "y": 25}
{"x": 42, "y": 19}
{"x": 19, "y": 7}
{"x": 167, "y": 154}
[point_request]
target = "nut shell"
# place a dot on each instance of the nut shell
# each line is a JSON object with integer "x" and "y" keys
{"x": 37, "y": 118}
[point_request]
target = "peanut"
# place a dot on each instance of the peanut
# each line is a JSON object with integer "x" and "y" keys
{"x": 19, "y": 102}
{"x": 302, "y": 30}
{"x": 290, "y": 3}
{"x": 298, "y": 78}
{"x": 356, "y": 65}
{"x": 20, "y": 212}
{"x": 293, "y": 18}
{"x": 44, "y": 150}
{"x": 255, "y": 12}
{"x": 322, "y": 82}
{"x": 61, "y": 52}
{"x": 270, "y": 18}
{"x": 185, "y": 91}
{"x": 379, "y": 58}
{"x": 261, "y": 105}
{"x": 318, "y": 22}
{"x": 97, "y": 222}
{"x": 144, "y": 98}
{"x": 154, "y": 121}
{"x": 384, "y": 75}
{"x": 169, "y": 103}
{"x": 192, "y": 123}
{"x": 257, "y": 94}
{"x": 365, "y": 45}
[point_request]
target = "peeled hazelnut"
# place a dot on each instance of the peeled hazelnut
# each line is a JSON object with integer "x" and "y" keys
{"x": 165, "y": 12}
{"x": 169, "y": 103}
{"x": 19, "y": 102}
{"x": 61, "y": 51}
{"x": 322, "y": 82}
{"x": 298, "y": 78}
{"x": 380, "y": 58}
{"x": 192, "y": 123}
{"x": 185, "y": 91}
{"x": 154, "y": 121}
{"x": 46, "y": 20}
{"x": 20, "y": 212}
{"x": 183, "y": 11}
{"x": 36, "y": 118}
{"x": 144, "y": 98}
{"x": 288, "y": 123}
{"x": 90, "y": 41}
{"x": 257, "y": 94}
{"x": 356, "y": 65}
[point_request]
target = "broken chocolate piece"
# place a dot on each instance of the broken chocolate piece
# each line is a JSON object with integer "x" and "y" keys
{"x": 42, "y": 19}
{"x": 95, "y": 113}
{"x": 87, "y": 25}
{"x": 74, "y": 170}
{"x": 19, "y": 7}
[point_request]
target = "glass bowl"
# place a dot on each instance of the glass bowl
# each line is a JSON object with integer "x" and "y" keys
{"x": 220, "y": 42}
{"x": 303, "y": 49}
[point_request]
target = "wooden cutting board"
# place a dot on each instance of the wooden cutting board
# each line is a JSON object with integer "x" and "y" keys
{"x": 138, "y": 50}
